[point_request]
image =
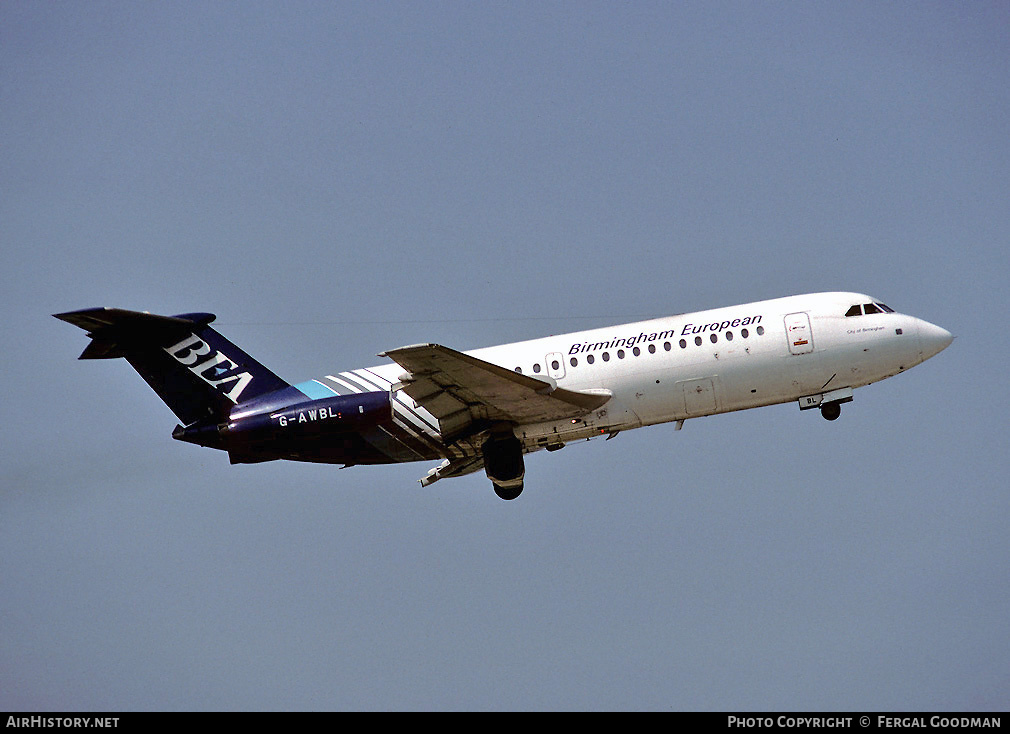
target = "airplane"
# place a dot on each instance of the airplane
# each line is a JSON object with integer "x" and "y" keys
{"x": 486, "y": 408}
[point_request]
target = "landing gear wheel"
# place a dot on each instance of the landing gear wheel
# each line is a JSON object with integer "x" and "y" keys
{"x": 831, "y": 411}
{"x": 507, "y": 493}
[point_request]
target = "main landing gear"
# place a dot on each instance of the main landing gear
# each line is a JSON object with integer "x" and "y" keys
{"x": 503, "y": 461}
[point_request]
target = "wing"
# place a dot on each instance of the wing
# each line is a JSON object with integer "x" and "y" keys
{"x": 461, "y": 391}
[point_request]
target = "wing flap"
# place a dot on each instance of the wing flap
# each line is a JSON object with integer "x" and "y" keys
{"x": 460, "y": 389}
{"x": 453, "y": 468}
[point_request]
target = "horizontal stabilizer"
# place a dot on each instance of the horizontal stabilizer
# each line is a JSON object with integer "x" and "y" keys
{"x": 197, "y": 372}
{"x": 108, "y": 327}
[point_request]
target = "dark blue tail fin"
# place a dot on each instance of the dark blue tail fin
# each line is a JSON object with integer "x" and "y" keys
{"x": 197, "y": 372}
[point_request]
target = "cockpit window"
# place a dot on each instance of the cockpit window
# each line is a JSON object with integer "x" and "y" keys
{"x": 868, "y": 308}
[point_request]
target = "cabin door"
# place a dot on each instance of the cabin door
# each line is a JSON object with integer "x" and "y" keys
{"x": 801, "y": 341}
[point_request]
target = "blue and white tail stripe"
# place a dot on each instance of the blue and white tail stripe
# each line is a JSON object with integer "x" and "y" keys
{"x": 316, "y": 390}
{"x": 342, "y": 387}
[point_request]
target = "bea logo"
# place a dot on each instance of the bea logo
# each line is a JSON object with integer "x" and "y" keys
{"x": 216, "y": 370}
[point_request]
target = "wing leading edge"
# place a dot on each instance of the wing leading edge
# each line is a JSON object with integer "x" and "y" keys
{"x": 461, "y": 390}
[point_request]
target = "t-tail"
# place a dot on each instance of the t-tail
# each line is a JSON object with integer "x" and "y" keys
{"x": 199, "y": 374}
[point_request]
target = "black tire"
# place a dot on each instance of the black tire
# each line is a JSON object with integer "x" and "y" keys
{"x": 507, "y": 493}
{"x": 831, "y": 411}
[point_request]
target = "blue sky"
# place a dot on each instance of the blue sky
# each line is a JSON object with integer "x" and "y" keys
{"x": 337, "y": 179}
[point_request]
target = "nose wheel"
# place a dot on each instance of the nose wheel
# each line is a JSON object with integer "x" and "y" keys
{"x": 831, "y": 411}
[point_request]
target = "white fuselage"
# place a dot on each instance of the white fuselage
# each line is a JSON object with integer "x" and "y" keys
{"x": 703, "y": 363}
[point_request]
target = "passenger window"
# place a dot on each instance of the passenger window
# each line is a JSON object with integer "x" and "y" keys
{"x": 683, "y": 343}
{"x": 713, "y": 338}
{"x": 729, "y": 336}
{"x": 854, "y": 311}
{"x": 536, "y": 368}
{"x": 519, "y": 370}
{"x": 555, "y": 365}
{"x": 744, "y": 333}
{"x": 697, "y": 341}
{"x": 590, "y": 359}
{"x": 761, "y": 330}
{"x": 869, "y": 308}
{"x": 666, "y": 346}
{"x": 636, "y": 351}
{"x": 574, "y": 362}
{"x": 652, "y": 349}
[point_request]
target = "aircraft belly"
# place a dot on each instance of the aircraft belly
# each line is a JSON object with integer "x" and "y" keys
{"x": 614, "y": 415}
{"x": 808, "y": 371}
{"x": 338, "y": 448}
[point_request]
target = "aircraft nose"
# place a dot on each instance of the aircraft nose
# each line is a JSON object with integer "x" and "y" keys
{"x": 932, "y": 339}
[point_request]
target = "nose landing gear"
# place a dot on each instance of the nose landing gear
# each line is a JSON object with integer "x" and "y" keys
{"x": 831, "y": 411}
{"x": 830, "y": 403}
